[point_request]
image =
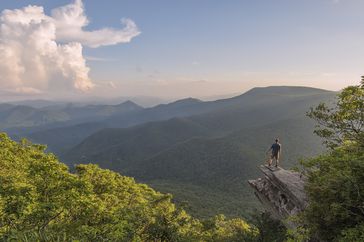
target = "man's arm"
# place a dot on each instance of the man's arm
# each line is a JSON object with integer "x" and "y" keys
{"x": 270, "y": 148}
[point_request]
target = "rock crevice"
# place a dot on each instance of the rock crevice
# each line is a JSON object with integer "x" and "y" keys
{"x": 281, "y": 191}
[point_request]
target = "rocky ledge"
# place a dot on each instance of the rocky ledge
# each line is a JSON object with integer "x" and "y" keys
{"x": 281, "y": 191}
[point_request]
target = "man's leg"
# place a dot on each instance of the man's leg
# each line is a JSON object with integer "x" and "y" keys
{"x": 276, "y": 157}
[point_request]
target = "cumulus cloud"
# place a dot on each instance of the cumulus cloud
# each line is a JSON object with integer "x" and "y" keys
{"x": 39, "y": 53}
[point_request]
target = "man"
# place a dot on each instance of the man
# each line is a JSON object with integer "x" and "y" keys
{"x": 276, "y": 151}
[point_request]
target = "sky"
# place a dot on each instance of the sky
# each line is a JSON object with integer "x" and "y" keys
{"x": 58, "y": 49}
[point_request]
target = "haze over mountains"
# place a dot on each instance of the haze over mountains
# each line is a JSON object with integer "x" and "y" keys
{"x": 202, "y": 152}
{"x": 144, "y": 101}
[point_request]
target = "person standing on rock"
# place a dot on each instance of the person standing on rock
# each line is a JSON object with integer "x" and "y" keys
{"x": 276, "y": 151}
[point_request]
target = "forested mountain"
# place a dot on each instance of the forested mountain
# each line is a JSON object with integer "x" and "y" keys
{"x": 87, "y": 120}
{"x": 206, "y": 158}
{"x": 202, "y": 152}
{"x": 138, "y": 142}
{"x": 25, "y": 119}
{"x": 72, "y": 123}
{"x": 61, "y": 139}
{"x": 25, "y": 116}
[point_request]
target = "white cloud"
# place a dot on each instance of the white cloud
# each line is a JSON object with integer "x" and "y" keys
{"x": 37, "y": 54}
{"x": 94, "y": 58}
{"x": 71, "y": 19}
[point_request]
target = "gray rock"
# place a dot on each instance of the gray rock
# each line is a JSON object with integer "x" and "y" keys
{"x": 281, "y": 192}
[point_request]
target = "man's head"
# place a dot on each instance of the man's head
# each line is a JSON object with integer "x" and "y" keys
{"x": 277, "y": 140}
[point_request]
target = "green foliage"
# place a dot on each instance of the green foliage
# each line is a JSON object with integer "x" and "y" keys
{"x": 220, "y": 229}
{"x": 298, "y": 234}
{"x": 353, "y": 234}
{"x": 334, "y": 188}
{"x": 345, "y": 120}
{"x": 336, "y": 180}
{"x": 40, "y": 200}
{"x": 270, "y": 229}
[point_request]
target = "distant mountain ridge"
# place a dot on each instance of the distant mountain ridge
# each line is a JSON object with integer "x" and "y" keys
{"x": 252, "y": 111}
{"x": 12, "y": 116}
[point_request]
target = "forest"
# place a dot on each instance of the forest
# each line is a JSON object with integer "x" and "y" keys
{"x": 41, "y": 200}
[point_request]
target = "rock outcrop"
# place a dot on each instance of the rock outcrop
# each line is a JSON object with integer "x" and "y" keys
{"x": 281, "y": 192}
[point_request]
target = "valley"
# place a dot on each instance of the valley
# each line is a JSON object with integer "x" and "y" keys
{"x": 201, "y": 152}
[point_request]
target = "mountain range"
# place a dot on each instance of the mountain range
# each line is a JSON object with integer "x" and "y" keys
{"x": 202, "y": 152}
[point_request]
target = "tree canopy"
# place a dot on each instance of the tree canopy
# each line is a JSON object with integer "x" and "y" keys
{"x": 336, "y": 179}
{"x": 342, "y": 121}
{"x": 40, "y": 200}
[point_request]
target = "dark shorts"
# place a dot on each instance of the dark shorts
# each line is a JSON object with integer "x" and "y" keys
{"x": 275, "y": 156}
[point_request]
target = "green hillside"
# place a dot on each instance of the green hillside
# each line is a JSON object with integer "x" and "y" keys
{"x": 134, "y": 144}
{"x": 206, "y": 159}
{"x": 60, "y": 140}
{"x": 223, "y": 165}
{"x": 40, "y": 200}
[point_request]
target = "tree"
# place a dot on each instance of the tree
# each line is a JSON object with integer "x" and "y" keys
{"x": 336, "y": 179}
{"x": 342, "y": 121}
{"x": 270, "y": 229}
{"x": 221, "y": 229}
{"x": 334, "y": 188}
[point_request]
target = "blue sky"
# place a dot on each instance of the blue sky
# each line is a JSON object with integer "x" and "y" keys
{"x": 203, "y": 48}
